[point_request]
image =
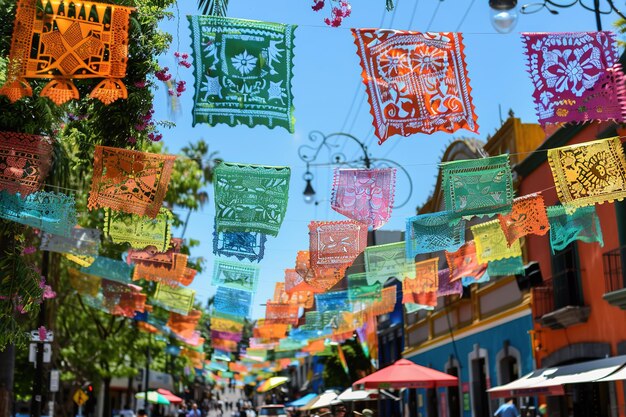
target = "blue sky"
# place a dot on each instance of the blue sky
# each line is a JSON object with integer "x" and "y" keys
{"x": 327, "y": 82}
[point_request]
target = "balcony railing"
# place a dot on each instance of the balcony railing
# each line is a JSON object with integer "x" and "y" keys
{"x": 613, "y": 276}
{"x": 560, "y": 291}
{"x": 543, "y": 299}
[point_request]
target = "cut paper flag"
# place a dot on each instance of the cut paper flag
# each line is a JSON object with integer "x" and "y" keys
{"x": 491, "y": 244}
{"x": 336, "y": 244}
{"x": 232, "y": 301}
{"x": 416, "y": 82}
{"x": 528, "y": 216}
{"x": 235, "y": 275}
{"x": 577, "y": 76}
{"x": 413, "y": 308}
{"x": 140, "y": 231}
{"x": 84, "y": 284}
{"x": 565, "y": 228}
{"x": 65, "y": 41}
{"x": 295, "y": 283}
{"x": 422, "y": 289}
{"x": 110, "y": 269}
{"x": 250, "y": 198}
{"x": 506, "y": 267}
{"x": 226, "y": 324}
{"x": 129, "y": 181}
{"x": 82, "y": 241}
{"x": 24, "y": 162}
{"x": 171, "y": 274}
{"x": 121, "y": 299}
{"x": 433, "y": 232}
{"x": 589, "y": 173}
{"x": 467, "y": 281}
{"x": 386, "y": 304}
{"x": 174, "y": 299}
{"x": 243, "y": 71}
{"x": 385, "y": 261}
{"x": 332, "y": 301}
{"x": 364, "y": 195}
{"x": 359, "y": 289}
{"x": 151, "y": 257}
{"x": 241, "y": 245}
{"x": 447, "y": 287}
{"x": 82, "y": 260}
{"x": 235, "y": 337}
{"x": 48, "y": 211}
{"x": 464, "y": 263}
{"x": 184, "y": 325}
{"x": 475, "y": 187}
{"x": 322, "y": 279}
{"x": 270, "y": 331}
{"x": 281, "y": 313}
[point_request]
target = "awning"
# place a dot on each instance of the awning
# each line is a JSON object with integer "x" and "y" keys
{"x": 551, "y": 381}
{"x": 358, "y": 395}
{"x": 301, "y": 401}
{"x": 170, "y": 396}
{"x": 616, "y": 376}
{"x": 322, "y": 400}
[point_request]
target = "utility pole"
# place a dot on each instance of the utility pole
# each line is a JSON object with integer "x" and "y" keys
{"x": 37, "y": 400}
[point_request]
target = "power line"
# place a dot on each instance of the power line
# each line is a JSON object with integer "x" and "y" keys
{"x": 432, "y": 19}
{"x": 465, "y": 15}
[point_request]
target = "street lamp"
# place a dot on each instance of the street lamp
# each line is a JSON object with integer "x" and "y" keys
{"x": 309, "y": 192}
{"x": 553, "y": 5}
{"x": 503, "y": 15}
{"x": 332, "y": 143}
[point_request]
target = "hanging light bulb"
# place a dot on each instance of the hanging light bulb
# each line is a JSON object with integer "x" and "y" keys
{"x": 309, "y": 192}
{"x": 503, "y": 15}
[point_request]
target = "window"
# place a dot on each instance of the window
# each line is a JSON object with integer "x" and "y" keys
{"x": 566, "y": 277}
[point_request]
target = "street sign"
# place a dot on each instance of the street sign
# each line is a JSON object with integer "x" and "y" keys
{"x": 54, "y": 380}
{"x": 47, "y": 353}
{"x": 80, "y": 397}
{"x": 34, "y": 336}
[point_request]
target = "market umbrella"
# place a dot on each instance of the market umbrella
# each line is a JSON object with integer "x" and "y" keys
{"x": 406, "y": 374}
{"x": 153, "y": 397}
{"x": 323, "y": 400}
{"x": 272, "y": 383}
{"x": 350, "y": 395}
{"x": 301, "y": 401}
{"x": 170, "y": 397}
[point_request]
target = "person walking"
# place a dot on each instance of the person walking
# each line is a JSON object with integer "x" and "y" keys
{"x": 508, "y": 409}
{"x": 194, "y": 412}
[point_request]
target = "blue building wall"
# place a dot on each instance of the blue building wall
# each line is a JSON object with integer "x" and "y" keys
{"x": 491, "y": 339}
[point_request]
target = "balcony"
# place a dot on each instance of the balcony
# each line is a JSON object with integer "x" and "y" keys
{"x": 558, "y": 303}
{"x": 615, "y": 293}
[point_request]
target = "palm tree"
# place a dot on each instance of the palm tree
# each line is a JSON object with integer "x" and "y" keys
{"x": 213, "y": 7}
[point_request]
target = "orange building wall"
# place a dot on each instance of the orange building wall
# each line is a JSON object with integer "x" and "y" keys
{"x": 606, "y": 323}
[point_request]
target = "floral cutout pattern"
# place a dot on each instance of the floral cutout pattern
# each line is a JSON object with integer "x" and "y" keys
{"x": 233, "y": 301}
{"x": 364, "y": 195}
{"x": 241, "y": 245}
{"x": 491, "y": 243}
{"x": 528, "y": 216}
{"x": 565, "y": 228}
{"x": 577, "y": 76}
{"x": 416, "y": 82}
{"x": 24, "y": 162}
{"x": 48, "y": 211}
{"x": 433, "y": 232}
{"x": 589, "y": 173}
{"x": 140, "y": 231}
{"x": 464, "y": 263}
{"x": 336, "y": 244}
{"x": 476, "y": 187}
{"x": 422, "y": 289}
{"x": 130, "y": 181}
{"x": 250, "y": 198}
{"x": 235, "y": 275}
{"x": 243, "y": 72}
{"x": 320, "y": 279}
{"x": 63, "y": 41}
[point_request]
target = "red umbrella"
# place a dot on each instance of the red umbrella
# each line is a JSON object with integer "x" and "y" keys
{"x": 406, "y": 374}
{"x": 171, "y": 397}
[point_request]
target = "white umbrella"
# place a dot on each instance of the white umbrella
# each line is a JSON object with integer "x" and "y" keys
{"x": 323, "y": 400}
{"x": 350, "y": 395}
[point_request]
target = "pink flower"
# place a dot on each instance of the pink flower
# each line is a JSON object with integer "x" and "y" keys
{"x": 48, "y": 293}
{"x": 319, "y": 5}
{"x": 42, "y": 333}
{"x": 42, "y": 282}
{"x": 140, "y": 84}
{"x": 28, "y": 250}
{"x": 132, "y": 140}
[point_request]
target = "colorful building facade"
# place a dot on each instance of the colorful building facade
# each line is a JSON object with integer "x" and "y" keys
{"x": 578, "y": 311}
{"x": 481, "y": 336}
